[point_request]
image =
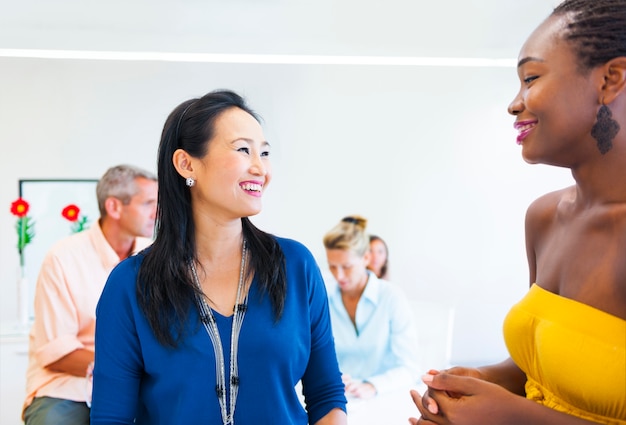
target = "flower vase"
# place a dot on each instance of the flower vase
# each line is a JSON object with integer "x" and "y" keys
{"x": 22, "y": 299}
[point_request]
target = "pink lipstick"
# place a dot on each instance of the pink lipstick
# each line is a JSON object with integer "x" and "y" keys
{"x": 524, "y": 128}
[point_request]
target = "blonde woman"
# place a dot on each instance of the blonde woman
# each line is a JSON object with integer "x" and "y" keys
{"x": 374, "y": 332}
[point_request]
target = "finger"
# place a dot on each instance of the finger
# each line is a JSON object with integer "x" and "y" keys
{"x": 421, "y": 421}
{"x": 352, "y": 389}
{"x": 425, "y": 406}
{"x": 419, "y": 403}
{"x": 417, "y": 398}
{"x": 426, "y": 401}
{"x": 459, "y": 385}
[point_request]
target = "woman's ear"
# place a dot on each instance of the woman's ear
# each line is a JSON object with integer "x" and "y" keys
{"x": 614, "y": 79}
{"x": 183, "y": 163}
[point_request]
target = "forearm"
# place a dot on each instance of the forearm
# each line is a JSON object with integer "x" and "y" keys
{"x": 74, "y": 363}
{"x": 334, "y": 417}
{"x": 506, "y": 374}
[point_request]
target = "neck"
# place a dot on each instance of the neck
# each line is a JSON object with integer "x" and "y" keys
{"x": 217, "y": 240}
{"x": 591, "y": 179}
{"x": 123, "y": 244}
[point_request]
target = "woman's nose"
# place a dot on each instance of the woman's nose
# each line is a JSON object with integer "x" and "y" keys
{"x": 258, "y": 167}
{"x": 516, "y": 106}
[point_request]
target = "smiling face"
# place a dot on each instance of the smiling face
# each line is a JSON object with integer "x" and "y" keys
{"x": 233, "y": 174}
{"x": 557, "y": 102}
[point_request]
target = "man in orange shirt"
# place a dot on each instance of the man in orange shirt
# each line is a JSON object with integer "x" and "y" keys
{"x": 71, "y": 279}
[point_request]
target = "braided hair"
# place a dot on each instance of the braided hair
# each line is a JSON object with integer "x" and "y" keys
{"x": 597, "y": 29}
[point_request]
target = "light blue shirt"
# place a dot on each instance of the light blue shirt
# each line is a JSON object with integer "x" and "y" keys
{"x": 382, "y": 350}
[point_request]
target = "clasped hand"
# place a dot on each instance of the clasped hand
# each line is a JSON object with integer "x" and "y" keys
{"x": 460, "y": 396}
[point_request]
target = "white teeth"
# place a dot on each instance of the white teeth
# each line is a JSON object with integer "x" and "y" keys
{"x": 525, "y": 127}
{"x": 252, "y": 187}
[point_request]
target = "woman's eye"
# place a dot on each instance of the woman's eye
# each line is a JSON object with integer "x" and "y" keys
{"x": 265, "y": 153}
{"x": 530, "y": 79}
{"x": 243, "y": 149}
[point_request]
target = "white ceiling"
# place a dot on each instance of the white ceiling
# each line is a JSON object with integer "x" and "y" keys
{"x": 413, "y": 28}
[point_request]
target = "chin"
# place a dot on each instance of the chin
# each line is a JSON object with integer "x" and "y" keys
{"x": 529, "y": 158}
{"x": 253, "y": 211}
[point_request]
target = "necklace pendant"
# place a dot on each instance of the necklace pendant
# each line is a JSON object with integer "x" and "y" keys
{"x": 210, "y": 325}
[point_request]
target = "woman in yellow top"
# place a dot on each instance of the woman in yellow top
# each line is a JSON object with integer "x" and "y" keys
{"x": 567, "y": 337}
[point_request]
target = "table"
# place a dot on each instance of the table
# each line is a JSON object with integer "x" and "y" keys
{"x": 386, "y": 409}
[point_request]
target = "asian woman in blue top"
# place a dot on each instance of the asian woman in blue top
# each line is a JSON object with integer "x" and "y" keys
{"x": 372, "y": 323}
{"x": 218, "y": 321}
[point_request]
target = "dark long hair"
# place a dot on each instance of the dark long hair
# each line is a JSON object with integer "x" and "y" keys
{"x": 385, "y": 266}
{"x": 165, "y": 288}
{"x": 597, "y": 29}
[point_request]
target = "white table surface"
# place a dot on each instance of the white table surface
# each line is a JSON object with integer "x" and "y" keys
{"x": 386, "y": 409}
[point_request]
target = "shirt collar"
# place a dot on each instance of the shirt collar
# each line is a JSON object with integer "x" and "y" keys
{"x": 372, "y": 289}
{"x": 105, "y": 251}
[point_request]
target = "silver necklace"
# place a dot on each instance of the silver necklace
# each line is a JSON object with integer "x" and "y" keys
{"x": 208, "y": 319}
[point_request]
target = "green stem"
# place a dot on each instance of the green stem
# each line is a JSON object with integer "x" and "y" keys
{"x": 22, "y": 239}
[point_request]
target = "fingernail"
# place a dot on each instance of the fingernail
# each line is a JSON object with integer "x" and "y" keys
{"x": 427, "y": 378}
{"x": 432, "y": 407}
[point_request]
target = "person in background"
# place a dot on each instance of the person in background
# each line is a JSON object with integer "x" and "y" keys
{"x": 372, "y": 322}
{"x": 71, "y": 278}
{"x": 218, "y": 322}
{"x": 567, "y": 336}
{"x": 379, "y": 257}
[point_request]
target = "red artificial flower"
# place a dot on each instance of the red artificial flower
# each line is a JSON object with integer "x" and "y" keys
{"x": 24, "y": 226}
{"x": 71, "y": 212}
{"x": 19, "y": 208}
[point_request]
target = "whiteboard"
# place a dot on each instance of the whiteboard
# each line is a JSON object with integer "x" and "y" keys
{"x": 47, "y": 198}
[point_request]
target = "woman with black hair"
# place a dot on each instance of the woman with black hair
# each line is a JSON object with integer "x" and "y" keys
{"x": 567, "y": 336}
{"x": 218, "y": 321}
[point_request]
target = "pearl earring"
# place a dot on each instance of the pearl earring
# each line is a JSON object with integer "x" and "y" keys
{"x": 190, "y": 181}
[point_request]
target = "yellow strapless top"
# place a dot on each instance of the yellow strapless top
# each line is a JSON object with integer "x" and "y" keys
{"x": 574, "y": 355}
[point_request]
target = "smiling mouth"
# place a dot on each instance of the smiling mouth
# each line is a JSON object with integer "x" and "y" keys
{"x": 252, "y": 187}
{"x": 524, "y": 128}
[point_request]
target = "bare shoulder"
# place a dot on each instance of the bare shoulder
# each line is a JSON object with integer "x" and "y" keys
{"x": 542, "y": 211}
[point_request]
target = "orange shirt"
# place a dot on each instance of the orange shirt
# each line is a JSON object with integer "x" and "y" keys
{"x": 70, "y": 281}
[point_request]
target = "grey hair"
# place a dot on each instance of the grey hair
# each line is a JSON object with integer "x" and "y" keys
{"x": 119, "y": 182}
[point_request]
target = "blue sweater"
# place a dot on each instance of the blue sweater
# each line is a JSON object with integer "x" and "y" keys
{"x": 137, "y": 378}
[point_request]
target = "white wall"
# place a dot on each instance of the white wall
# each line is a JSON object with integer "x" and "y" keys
{"x": 428, "y": 154}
